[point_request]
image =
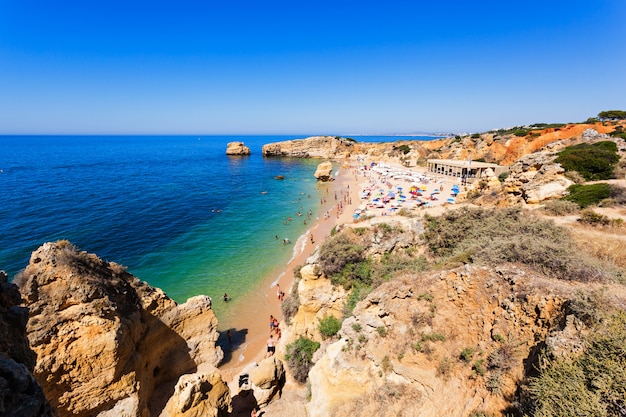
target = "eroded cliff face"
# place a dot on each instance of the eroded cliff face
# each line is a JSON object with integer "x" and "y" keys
{"x": 312, "y": 147}
{"x": 451, "y": 343}
{"x": 20, "y": 394}
{"x": 107, "y": 343}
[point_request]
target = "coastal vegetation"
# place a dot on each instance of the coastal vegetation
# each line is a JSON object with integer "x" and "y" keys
{"x": 329, "y": 326}
{"x": 612, "y": 115}
{"x": 588, "y": 195}
{"x": 590, "y": 384}
{"x": 299, "y": 357}
{"x": 593, "y": 162}
{"x": 495, "y": 236}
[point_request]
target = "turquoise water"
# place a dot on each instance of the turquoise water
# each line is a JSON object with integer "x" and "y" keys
{"x": 176, "y": 210}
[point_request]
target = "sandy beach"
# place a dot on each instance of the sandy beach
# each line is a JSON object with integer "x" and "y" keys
{"x": 357, "y": 186}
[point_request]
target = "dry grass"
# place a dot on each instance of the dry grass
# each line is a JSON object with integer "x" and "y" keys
{"x": 602, "y": 245}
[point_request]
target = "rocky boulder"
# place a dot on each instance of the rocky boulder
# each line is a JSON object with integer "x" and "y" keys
{"x": 237, "y": 148}
{"x": 324, "y": 172}
{"x": 266, "y": 379}
{"x": 106, "y": 341}
{"x": 202, "y": 394}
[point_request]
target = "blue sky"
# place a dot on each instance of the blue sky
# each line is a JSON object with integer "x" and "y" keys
{"x": 324, "y": 67}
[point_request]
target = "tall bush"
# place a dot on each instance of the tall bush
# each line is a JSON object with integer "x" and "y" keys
{"x": 299, "y": 357}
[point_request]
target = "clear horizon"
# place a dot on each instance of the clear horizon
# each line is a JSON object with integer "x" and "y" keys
{"x": 245, "y": 68}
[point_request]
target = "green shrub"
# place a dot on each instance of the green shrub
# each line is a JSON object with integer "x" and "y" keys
{"x": 592, "y": 218}
{"x": 467, "y": 354}
{"x": 433, "y": 337}
{"x": 593, "y": 162}
{"x": 382, "y": 331}
{"x": 503, "y": 176}
{"x": 291, "y": 303}
{"x": 329, "y": 326}
{"x": 478, "y": 367}
{"x": 475, "y": 136}
{"x": 404, "y": 148}
{"x": 587, "y": 195}
{"x": 299, "y": 357}
{"x": 341, "y": 260}
{"x": 357, "y": 293}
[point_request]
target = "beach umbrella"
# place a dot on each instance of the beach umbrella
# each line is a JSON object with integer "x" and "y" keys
{"x": 450, "y": 200}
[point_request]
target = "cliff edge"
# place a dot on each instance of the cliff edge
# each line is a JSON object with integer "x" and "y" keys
{"x": 108, "y": 344}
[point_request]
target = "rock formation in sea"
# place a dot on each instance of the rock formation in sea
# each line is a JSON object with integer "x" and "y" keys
{"x": 20, "y": 394}
{"x": 108, "y": 344}
{"x": 237, "y": 148}
{"x": 312, "y": 147}
{"x": 324, "y": 172}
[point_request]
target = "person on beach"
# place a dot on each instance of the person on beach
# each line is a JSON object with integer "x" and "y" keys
{"x": 278, "y": 291}
{"x": 272, "y": 320}
{"x": 225, "y": 297}
{"x": 271, "y": 348}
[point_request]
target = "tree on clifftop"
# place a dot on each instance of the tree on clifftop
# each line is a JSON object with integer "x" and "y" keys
{"x": 612, "y": 115}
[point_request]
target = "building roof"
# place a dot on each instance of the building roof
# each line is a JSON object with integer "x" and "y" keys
{"x": 462, "y": 163}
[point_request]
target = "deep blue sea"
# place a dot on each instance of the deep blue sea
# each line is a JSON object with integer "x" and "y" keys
{"x": 176, "y": 210}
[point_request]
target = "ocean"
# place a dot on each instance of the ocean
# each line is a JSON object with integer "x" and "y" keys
{"x": 175, "y": 210}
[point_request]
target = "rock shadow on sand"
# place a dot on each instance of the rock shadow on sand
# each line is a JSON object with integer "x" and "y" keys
{"x": 230, "y": 340}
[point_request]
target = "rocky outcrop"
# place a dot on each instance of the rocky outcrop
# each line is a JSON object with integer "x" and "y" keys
{"x": 328, "y": 147}
{"x": 202, "y": 394}
{"x": 266, "y": 379}
{"x": 536, "y": 178}
{"x": 318, "y": 298}
{"x": 324, "y": 172}
{"x": 107, "y": 343}
{"x": 237, "y": 148}
{"x": 20, "y": 394}
{"x": 442, "y": 343}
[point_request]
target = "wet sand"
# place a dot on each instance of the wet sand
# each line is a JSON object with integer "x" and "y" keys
{"x": 250, "y": 329}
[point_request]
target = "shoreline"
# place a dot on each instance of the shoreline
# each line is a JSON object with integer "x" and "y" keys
{"x": 251, "y": 329}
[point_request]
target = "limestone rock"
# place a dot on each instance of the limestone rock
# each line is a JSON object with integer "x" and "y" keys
{"x": 536, "y": 178}
{"x": 311, "y": 147}
{"x": 324, "y": 172}
{"x": 593, "y": 135}
{"x": 13, "y": 319}
{"x": 318, "y": 298}
{"x": 20, "y": 394}
{"x": 381, "y": 354}
{"x": 267, "y": 379}
{"x": 198, "y": 395}
{"x": 106, "y": 341}
{"x": 237, "y": 148}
